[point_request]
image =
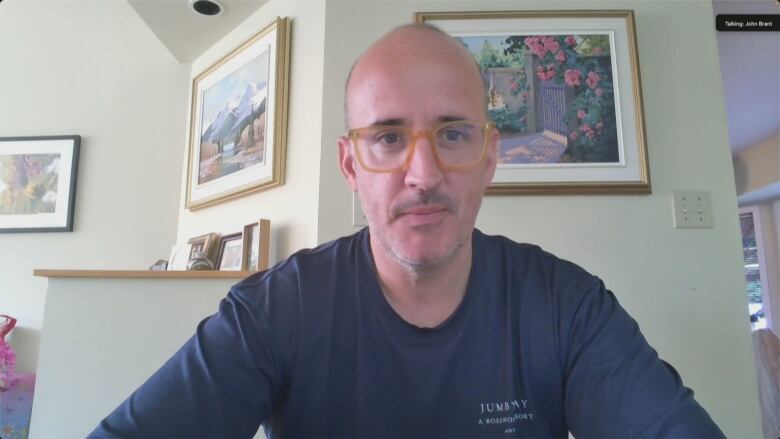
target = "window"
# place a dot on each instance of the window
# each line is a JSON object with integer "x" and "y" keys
{"x": 755, "y": 270}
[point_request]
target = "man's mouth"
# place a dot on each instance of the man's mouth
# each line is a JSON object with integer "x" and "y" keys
{"x": 423, "y": 210}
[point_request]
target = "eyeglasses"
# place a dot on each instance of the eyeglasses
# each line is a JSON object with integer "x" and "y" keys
{"x": 456, "y": 145}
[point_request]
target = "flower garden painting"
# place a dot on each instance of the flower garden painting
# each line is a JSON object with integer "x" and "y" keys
{"x": 28, "y": 183}
{"x": 551, "y": 96}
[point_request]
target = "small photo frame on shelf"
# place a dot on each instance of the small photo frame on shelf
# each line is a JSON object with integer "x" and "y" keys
{"x": 206, "y": 244}
{"x": 238, "y": 120}
{"x": 256, "y": 245}
{"x": 231, "y": 252}
{"x": 565, "y": 95}
{"x": 38, "y": 183}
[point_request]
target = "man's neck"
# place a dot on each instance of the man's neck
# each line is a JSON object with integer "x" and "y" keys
{"x": 428, "y": 297}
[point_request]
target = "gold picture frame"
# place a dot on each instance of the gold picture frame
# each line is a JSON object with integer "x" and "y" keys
{"x": 238, "y": 120}
{"x": 256, "y": 245}
{"x": 564, "y": 90}
{"x": 206, "y": 244}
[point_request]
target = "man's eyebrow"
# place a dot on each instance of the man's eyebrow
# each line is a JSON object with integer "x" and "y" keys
{"x": 395, "y": 121}
{"x": 399, "y": 121}
{"x": 449, "y": 118}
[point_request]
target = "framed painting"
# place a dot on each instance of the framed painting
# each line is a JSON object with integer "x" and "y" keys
{"x": 205, "y": 244}
{"x": 231, "y": 252}
{"x": 238, "y": 120}
{"x": 38, "y": 183}
{"x": 256, "y": 245}
{"x": 564, "y": 92}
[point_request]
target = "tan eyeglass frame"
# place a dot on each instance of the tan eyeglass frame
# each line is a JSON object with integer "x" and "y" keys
{"x": 414, "y": 135}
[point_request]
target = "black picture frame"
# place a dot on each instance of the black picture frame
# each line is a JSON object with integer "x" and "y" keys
{"x": 14, "y": 219}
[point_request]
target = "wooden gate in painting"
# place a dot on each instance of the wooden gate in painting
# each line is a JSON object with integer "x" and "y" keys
{"x": 554, "y": 104}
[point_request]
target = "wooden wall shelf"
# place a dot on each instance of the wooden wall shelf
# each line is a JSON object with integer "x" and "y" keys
{"x": 142, "y": 274}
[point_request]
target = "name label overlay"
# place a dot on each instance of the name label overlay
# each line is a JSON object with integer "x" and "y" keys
{"x": 747, "y": 22}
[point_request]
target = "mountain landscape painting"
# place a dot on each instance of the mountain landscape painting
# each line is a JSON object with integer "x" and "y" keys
{"x": 233, "y": 121}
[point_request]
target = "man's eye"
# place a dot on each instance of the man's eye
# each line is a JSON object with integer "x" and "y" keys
{"x": 454, "y": 135}
{"x": 389, "y": 138}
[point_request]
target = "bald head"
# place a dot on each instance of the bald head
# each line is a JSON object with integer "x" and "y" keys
{"x": 408, "y": 48}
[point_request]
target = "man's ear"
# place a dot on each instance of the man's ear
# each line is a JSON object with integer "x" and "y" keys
{"x": 491, "y": 161}
{"x": 347, "y": 162}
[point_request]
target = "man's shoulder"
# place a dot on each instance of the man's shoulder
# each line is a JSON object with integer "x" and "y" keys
{"x": 527, "y": 259}
{"x": 310, "y": 261}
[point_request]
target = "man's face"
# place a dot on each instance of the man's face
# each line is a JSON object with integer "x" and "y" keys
{"x": 421, "y": 215}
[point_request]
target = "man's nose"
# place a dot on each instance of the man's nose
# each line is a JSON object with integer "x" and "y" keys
{"x": 423, "y": 171}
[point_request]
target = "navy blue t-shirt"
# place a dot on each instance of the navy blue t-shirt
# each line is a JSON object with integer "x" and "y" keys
{"x": 311, "y": 348}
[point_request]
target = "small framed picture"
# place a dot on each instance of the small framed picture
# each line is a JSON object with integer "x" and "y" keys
{"x": 206, "y": 244}
{"x": 231, "y": 252}
{"x": 38, "y": 183}
{"x": 256, "y": 245}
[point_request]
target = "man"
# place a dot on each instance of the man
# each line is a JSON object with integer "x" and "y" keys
{"x": 420, "y": 325}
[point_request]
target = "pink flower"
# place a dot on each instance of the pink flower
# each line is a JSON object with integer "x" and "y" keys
{"x": 551, "y": 45}
{"x": 581, "y": 114}
{"x": 597, "y": 51}
{"x": 560, "y": 56}
{"x": 584, "y": 127}
{"x": 599, "y": 125}
{"x": 572, "y": 77}
{"x": 525, "y": 94}
{"x": 573, "y": 135}
{"x": 593, "y": 79}
{"x": 570, "y": 40}
{"x": 534, "y": 44}
{"x": 599, "y": 92}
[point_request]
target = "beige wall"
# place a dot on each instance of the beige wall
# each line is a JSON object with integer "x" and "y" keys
{"x": 685, "y": 287}
{"x": 757, "y": 166}
{"x": 292, "y": 208}
{"x": 93, "y": 69}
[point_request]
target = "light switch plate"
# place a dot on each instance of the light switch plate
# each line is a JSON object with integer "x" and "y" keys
{"x": 692, "y": 210}
{"x": 358, "y": 217}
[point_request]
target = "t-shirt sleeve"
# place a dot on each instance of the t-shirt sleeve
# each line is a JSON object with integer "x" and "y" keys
{"x": 616, "y": 386}
{"x": 221, "y": 383}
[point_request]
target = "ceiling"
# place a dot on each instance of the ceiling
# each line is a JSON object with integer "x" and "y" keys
{"x": 186, "y": 33}
{"x": 750, "y": 68}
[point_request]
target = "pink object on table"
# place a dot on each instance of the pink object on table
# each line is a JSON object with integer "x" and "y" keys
{"x": 16, "y": 390}
{"x": 7, "y": 356}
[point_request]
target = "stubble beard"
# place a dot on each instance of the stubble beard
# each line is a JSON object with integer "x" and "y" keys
{"x": 421, "y": 264}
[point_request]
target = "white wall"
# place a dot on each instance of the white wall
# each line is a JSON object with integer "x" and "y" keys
{"x": 292, "y": 208}
{"x": 93, "y": 69}
{"x": 82, "y": 375}
{"x": 684, "y": 287}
